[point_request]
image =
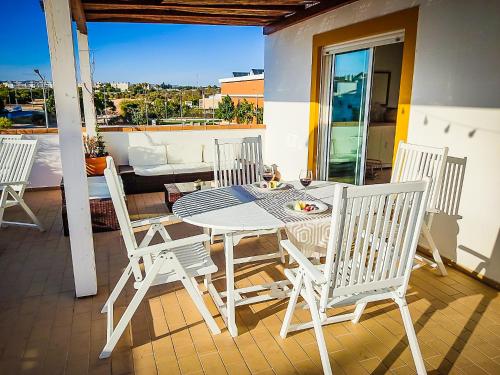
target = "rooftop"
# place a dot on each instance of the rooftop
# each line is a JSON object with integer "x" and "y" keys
{"x": 457, "y": 319}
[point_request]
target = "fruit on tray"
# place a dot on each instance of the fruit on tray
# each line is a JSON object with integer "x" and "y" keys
{"x": 303, "y": 206}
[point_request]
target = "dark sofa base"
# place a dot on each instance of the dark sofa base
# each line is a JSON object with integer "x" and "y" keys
{"x": 135, "y": 184}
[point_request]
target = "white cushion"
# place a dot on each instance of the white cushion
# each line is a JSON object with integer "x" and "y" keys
{"x": 147, "y": 155}
{"x": 153, "y": 170}
{"x": 191, "y": 167}
{"x": 185, "y": 153}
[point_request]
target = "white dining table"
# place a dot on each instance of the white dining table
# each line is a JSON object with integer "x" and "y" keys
{"x": 219, "y": 209}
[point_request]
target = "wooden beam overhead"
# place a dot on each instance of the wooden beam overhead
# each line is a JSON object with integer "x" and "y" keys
{"x": 78, "y": 15}
{"x": 195, "y": 20}
{"x": 223, "y": 9}
{"x": 322, "y": 6}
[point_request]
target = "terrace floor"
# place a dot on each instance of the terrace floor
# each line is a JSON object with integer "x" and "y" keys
{"x": 44, "y": 329}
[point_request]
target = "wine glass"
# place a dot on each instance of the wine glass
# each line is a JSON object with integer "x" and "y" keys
{"x": 305, "y": 178}
{"x": 267, "y": 173}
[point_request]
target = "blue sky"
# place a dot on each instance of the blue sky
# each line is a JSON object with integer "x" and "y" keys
{"x": 178, "y": 54}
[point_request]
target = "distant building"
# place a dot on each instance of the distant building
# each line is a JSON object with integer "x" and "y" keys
{"x": 210, "y": 102}
{"x": 245, "y": 85}
{"x": 123, "y": 86}
{"x": 31, "y": 84}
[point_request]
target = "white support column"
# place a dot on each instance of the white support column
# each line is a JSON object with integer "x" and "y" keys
{"x": 62, "y": 61}
{"x": 86, "y": 77}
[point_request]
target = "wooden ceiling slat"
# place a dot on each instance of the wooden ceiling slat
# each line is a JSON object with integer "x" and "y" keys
{"x": 270, "y": 11}
{"x": 242, "y": 21}
{"x": 321, "y": 7}
{"x": 78, "y": 15}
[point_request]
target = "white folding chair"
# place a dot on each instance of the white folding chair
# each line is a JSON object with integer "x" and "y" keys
{"x": 238, "y": 161}
{"x": 10, "y": 136}
{"x": 169, "y": 261}
{"x": 413, "y": 162}
{"x": 16, "y": 160}
{"x": 372, "y": 242}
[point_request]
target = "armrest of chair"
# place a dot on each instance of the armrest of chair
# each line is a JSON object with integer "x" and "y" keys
{"x": 13, "y": 183}
{"x": 151, "y": 221}
{"x": 315, "y": 274}
{"x": 170, "y": 245}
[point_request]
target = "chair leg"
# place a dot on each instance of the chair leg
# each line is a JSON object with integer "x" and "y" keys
{"x": 318, "y": 329}
{"x": 280, "y": 248}
{"x": 192, "y": 288}
{"x": 28, "y": 211}
{"x": 360, "y": 308}
{"x": 3, "y": 202}
{"x": 412, "y": 337}
{"x": 435, "y": 252}
{"x": 122, "y": 281}
{"x": 132, "y": 307}
{"x": 297, "y": 287}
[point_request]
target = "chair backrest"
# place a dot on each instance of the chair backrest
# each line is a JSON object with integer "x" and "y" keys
{"x": 16, "y": 160}
{"x": 373, "y": 238}
{"x": 118, "y": 199}
{"x": 414, "y": 162}
{"x": 10, "y": 136}
{"x": 453, "y": 178}
{"x": 237, "y": 161}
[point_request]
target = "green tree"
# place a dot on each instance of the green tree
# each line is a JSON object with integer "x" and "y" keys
{"x": 5, "y": 123}
{"x": 244, "y": 112}
{"x": 51, "y": 104}
{"x": 100, "y": 105}
{"x": 226, "y": 109}
{"x": 2, "y": 104}
{"x": 259, "y": 115}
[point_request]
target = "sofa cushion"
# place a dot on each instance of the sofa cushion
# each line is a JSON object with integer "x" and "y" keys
{"x": 184, "y": 153}
{"x": 191, "y": 167}
{"x": 153, "y": 170}
{"x": 147, "y": 155}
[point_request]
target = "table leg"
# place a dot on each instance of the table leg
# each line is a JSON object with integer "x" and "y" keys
{"x": 230, "y": 308}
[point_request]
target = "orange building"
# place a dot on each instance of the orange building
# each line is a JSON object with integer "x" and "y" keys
{"x": 249, "y": 86}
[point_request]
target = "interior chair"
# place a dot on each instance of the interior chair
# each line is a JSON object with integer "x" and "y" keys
{"x": 413, "y": 162}
{"x": 371, "y": 246}
{"x": 169, "y": 261}
{"x": 238, "y": 161}
{"x": 16, "y": 160}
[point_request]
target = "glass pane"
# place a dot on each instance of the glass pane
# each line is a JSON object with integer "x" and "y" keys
{"x": 350, "y": 76}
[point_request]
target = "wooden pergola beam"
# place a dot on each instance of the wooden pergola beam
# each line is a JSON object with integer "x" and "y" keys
{"x": 78, "y": 15}
{"x": 201, "y": 20}
{"x": 217, "y": 9}
{"x": 299, "y": 16}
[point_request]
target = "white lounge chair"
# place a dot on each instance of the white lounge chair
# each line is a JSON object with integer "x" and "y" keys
{"x": 16, "y": 160}
{"x": 10, "y": 136}
{"x": 169, "y": 261}
{"x": 373, "y": 238}
{"x": 413, "y": 162}
{"x": 238, "y": 161}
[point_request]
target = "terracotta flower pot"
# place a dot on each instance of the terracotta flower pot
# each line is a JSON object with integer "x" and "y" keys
{"x": 95, "y": 166}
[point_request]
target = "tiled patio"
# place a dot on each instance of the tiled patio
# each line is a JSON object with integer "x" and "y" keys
{"x": 44, "y": 329}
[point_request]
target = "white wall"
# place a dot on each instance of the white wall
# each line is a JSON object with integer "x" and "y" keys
{"x": 456, "y": 82}
{"x": 47, "y": 170}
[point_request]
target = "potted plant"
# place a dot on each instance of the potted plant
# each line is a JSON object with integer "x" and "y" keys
{"x": 95, "y": 154}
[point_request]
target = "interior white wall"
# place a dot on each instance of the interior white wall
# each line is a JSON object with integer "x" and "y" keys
{"x": 389, "y": 59}
{"x": 456, "y": 82}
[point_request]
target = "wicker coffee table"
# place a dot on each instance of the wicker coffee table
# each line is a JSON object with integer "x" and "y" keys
{"x": 179, "y": 189}
{"x": 102, "y": 212}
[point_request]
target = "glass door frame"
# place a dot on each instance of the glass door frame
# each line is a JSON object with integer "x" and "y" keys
{"x": 326, "y": 95}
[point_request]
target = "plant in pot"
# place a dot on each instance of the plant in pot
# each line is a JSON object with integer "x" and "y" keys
{"x": 95, "y": 154}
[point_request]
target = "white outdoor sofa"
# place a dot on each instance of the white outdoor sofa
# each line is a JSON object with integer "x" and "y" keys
{"x": 151, "y": 167}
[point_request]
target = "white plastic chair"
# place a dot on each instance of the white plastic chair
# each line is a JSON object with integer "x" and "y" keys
{"x": 373, "y": 238}
{"x": 238, "y": 161}
{"x": 16, "y": 160}
{"x": 413, "y": 162}
{"x": 10, "y": 136}
{"x": 172, "y": 260}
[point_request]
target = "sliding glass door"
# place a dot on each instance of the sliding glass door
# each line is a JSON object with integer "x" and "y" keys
{"x": 346, "y": 76}
{"x": 348, "y": 125}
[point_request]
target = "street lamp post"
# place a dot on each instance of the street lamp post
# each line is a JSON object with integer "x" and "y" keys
{"x": 44, "y": 98}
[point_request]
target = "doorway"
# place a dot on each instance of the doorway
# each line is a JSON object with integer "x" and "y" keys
{"x": 358, "y": 108}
